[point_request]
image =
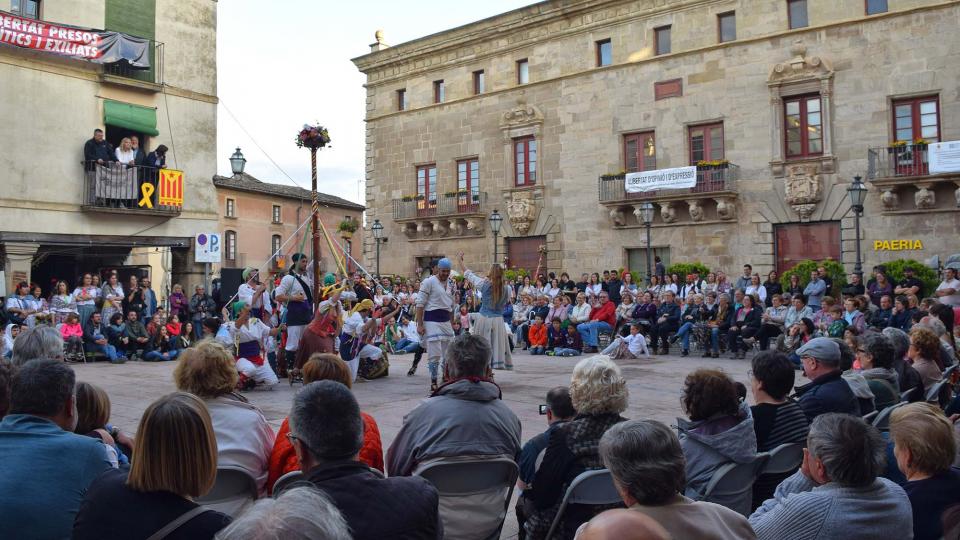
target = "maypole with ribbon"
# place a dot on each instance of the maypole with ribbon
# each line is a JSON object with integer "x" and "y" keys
{"x": 314, "y": 137}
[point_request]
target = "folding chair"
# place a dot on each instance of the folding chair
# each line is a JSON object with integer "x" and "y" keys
{"x": 882, "y": 421}
{"x": 910, "y": 394}
{"x": 948, "y": 372}
{"x": 784, "y": 461}
{"x": 286, "y": 481}
{"x": 589, "y": 487}
{"x": 732, "y": 484}
{"x": 933, "y": 395}
{"x": 232, "y": 491}
{"x": 462, "y": 481}
{"x": 868, "y": 418}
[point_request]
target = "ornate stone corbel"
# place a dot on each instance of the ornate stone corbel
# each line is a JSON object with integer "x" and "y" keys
{"x": 668, "y": 212}
{"x": 617, "y": 217}
{"x": 924, "y": 198}
{"x": 726, "y": 208}
{"x": 696, "y": 210}
{"x": 890, "y": 199}
{"x": 425, "y": 228}
{"x": 410, "y": 230}
{"x": 440, "y": 228}
{"x": 457, "y": 227}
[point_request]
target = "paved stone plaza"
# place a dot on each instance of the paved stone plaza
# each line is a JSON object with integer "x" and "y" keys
{"x": 655, "y": 387}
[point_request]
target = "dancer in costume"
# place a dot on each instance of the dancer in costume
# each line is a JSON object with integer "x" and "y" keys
{"x": 255, "y": 293}
{"x": 249, "y": 335}
{"x": 489, "y": 324}
{"x": 320, "y": 335}
{"x": 356, "y": 342}
{"x": 435, "y": 312}
{"x": 296, "y": 290}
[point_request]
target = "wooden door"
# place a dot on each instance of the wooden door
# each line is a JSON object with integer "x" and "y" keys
{"x": 797, "y": 242}
{"x": 523, "y": 252}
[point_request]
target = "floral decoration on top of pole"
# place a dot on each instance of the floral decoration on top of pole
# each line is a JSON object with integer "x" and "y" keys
{"x": 313, "y": 137}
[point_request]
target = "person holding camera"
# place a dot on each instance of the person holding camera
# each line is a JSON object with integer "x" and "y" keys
{"x": 558, "y": 409}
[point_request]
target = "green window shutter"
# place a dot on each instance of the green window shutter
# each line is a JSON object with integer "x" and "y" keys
{"x": 134, "y": 17}
{"x": 137, "y": 18}
{"x": 135, "y": 117}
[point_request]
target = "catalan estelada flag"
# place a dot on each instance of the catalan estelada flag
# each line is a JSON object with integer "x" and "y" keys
{"x": 171, "y": 188}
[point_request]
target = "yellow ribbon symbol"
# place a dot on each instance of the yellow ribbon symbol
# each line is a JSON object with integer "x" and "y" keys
{"x": 147, "y": 190}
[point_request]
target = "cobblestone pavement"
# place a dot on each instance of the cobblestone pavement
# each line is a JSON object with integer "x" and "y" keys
{"x": 655, "y": 388}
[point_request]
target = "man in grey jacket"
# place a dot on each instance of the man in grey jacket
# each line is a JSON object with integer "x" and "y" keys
{"x": 837, "y": 492}
{"x": 464, "y": 418}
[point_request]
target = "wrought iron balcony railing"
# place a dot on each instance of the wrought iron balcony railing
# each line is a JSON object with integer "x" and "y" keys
{"x": 125, "y": 189}
{"x": 710, "y": 179}
{"x": 440, "y": 205}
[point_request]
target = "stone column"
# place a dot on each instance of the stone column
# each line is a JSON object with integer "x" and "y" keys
{"x": 18, "y": 262}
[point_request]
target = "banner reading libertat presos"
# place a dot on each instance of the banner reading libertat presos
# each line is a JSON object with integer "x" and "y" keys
{"x": 100, "y": 46}
{"x": 678, "y": 178}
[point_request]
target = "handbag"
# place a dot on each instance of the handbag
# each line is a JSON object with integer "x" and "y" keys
{"x": 177, "y": 523}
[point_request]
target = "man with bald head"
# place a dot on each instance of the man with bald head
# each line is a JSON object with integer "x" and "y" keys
{"x": 622, "y": 524}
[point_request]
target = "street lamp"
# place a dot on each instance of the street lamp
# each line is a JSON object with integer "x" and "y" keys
{"x": 495, "y": 221}
{"x": 646, "y": 215}
{"x": 237, "y": 162}
{"x": 377, "y": 229}
{"x": 858, "y": 194}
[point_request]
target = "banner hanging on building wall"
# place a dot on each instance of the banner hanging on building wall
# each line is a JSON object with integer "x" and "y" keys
{"x": 944, "y": 157}
{"x": 678, "y": 178}
{"x": 100, "y": 46}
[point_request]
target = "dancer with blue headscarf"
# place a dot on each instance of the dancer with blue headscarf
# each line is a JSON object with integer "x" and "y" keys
{"x": 434, "y": 315}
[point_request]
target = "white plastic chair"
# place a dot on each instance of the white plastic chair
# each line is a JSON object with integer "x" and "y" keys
{"x": 232, "y": 491}
{"x": 590, "y": 487}
{"x": 783, "y": 459}
{"x": 461, "y": 481}
{"x": 287, "y": 481}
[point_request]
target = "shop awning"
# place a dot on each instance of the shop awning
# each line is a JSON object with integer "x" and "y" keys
{"x": 135, "y": 117}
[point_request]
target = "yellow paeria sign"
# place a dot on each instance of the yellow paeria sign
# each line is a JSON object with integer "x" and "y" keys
{"x": 897, "y": 245}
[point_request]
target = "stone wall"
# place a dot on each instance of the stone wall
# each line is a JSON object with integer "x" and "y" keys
{"x": 857, "y": 63}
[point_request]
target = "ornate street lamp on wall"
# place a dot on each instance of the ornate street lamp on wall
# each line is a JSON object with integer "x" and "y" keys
{"x": 646, "y": 215}
{"x": 496, "y": 220}
{"x": 237, "y": 162}
{"x": 377, "y": 229}
{"x": 858, "y": 194}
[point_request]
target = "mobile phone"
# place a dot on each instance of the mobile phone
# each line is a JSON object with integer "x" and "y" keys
{"x": 543, "y": 409}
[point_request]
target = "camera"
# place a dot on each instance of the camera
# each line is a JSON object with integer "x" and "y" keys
{"x": 543, "y": 409}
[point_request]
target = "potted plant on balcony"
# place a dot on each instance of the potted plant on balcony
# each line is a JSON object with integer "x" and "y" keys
{"x": 613, "y": 175}
{"x": 920, "y": 143}
{"x": 406, "y": 198}
{"x": 347, "y": 227}
{"x": 896, "y": 147}
{"x": 713, "y": 164}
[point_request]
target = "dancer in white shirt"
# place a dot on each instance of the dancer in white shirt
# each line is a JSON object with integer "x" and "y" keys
{"x": 249, "y": 335}
{"x": 435, "y": 311}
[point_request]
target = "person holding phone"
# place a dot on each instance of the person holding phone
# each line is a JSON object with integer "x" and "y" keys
{"x": 558, "y": 409}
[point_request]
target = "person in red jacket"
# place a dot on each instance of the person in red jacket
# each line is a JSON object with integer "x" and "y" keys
{"x": 602, "y": 319}
{"x": 538, "y": 336}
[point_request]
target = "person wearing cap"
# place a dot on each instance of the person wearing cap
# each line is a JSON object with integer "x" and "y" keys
{"x": 828, "y": 392}
{"x": 249, "y": 334}
{"x": 356, "y": 348}
{"x": 434, "y": 315}
{"x": 295, "y": 290}
{"x": 254, "y": 293}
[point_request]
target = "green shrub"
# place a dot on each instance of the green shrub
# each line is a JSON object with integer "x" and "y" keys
{"x": 512, "y": 274}
{"x": 636, "y": 276}
{"x": 921, "y": 272}
{"x": 682, "y": 269}
{"x": 835, "y": 271}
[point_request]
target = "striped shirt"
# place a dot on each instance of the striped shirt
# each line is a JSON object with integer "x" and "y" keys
{"x": 779, "y": 424}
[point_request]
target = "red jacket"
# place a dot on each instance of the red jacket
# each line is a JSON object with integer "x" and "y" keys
{"x": 606, "y": 313}
{"x": 538, "y": 335}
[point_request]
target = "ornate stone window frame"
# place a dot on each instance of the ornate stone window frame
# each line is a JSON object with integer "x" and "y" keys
{"x": 519, "y": 122}
{"x": 797, "y": 76}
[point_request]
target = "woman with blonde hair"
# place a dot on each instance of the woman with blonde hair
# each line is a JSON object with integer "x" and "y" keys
{"x": 924, "y": 351}
{"x": 489, "y": 322}
{"x": 174, "y": 462}
{"x": 324, "y": 367}
{"x": 599, "y": 394}
{"x": 244, "y": 438}
{"x": 925, "y": 447}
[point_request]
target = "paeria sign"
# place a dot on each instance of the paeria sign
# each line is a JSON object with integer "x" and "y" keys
{"x": 678, "y": 178}
{"x": 897, "y": 245}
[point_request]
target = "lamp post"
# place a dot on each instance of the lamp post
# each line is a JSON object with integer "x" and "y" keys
{"x": 495, "y": 221}
{"x": 377, "y": 229}
{"x": 646, "y": 215}
{"x": 237, "y": 162}
{"x": 858, "y": 194}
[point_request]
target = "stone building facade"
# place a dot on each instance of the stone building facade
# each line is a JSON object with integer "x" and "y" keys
{"x": 783, "y": 103}
{"x": 259, "y": 218}
{"x": 52, "y": 226}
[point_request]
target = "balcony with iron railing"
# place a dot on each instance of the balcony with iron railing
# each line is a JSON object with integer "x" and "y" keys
{"x": 904, "y": 168}
{"x": 113, "y": 187}
{"x": 456, "y": 214}
{"x": 122, "y": 73}
{"x": 710, "y": 200}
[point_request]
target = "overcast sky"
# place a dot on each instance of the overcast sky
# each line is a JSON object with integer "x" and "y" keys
{"x": 282, "y": 64}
